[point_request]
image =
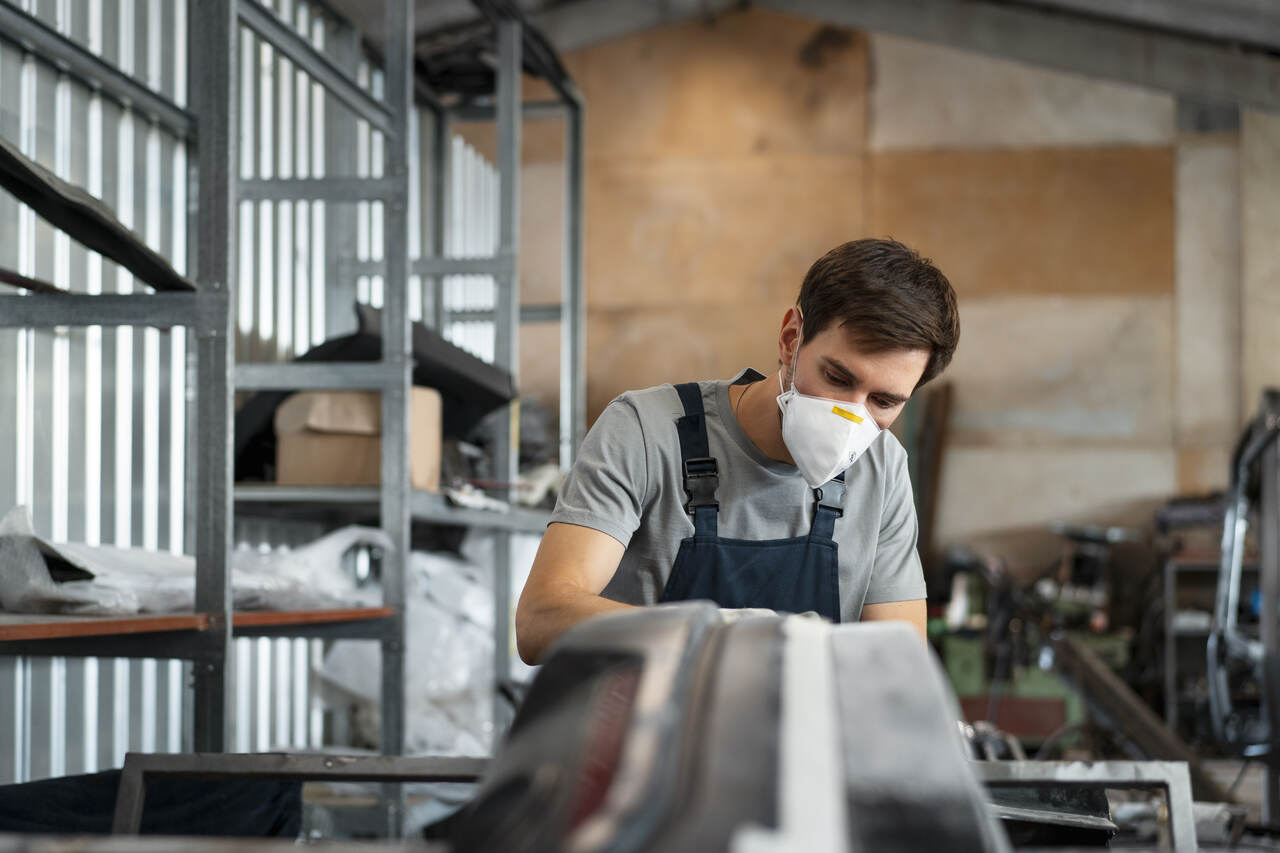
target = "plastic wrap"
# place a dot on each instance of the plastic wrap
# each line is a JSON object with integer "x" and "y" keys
{"x": 449, "y": 659}
{"x": 37, "y": 576}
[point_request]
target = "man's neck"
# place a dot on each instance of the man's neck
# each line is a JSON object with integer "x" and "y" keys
{"x": 761, "y": 419}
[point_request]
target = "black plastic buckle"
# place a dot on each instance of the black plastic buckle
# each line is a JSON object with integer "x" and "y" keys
{"x": 831, "y": 495}
{"x": 701, "y": 479}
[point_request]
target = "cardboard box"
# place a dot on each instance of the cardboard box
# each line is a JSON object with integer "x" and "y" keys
{"x": 334, "y": 438}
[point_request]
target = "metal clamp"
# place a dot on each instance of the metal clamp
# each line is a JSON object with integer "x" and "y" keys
{"x": 701, "y": 479}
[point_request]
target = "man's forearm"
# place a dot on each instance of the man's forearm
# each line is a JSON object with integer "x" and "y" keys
{"x": 543, "y": 616}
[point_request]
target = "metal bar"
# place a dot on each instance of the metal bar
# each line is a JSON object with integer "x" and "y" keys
{"x": 162, "y": 310}
{"x": 528, "y": 314}
{"x": 140, "y": 770}
{"x": 51, "y": 46}
{"x": 473, "y": 112}
{"x": 366, "y": 629}
{"x": 573, "y": 394}
{"x": 507, "y": 332}
{"x": 182, "y": 645}
{"x": 325, "y": 72}
{"x": 1269, "y": 568}
{"x": 328, "y": 376}
{"x": 1168, "y": 776}
{"x": 350, "y": 503}
{"x": 500, "y": 267}
{"x": 439, "y": 211}
{"x": 214, "y": 46}
{"x": 396, "y": 343}
{"x": 1084, "y": 45}
{"x": 339, "y": 219}
{"x": 334, "y": 190}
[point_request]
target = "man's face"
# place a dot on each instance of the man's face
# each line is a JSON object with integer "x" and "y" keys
{"x": 831, "y": 365}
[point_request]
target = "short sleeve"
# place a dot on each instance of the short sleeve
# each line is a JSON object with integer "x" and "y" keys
{"x": 606, "y": 488}
{"x": 897, "y": 574}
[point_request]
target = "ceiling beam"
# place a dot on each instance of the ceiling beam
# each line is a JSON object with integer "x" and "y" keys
{"x": 574, "y": 25}
{"x": 1086, "y": 45}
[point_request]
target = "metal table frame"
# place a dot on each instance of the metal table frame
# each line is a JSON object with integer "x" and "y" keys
{"x": 141, "y": 769}
{"x": 1169, "y": 777}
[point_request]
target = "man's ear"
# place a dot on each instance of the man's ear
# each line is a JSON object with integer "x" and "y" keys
{"x": 789, "y": 335}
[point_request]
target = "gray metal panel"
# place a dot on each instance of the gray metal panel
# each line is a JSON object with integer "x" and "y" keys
{"x": 1080, "y": 44}
{"x": 65, "y": 54}
{"x": 316, "y": 64}
{"x": 1246, "y": 21}
{"x": 215, "y": 50}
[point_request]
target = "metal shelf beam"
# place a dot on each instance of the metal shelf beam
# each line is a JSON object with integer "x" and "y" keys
{"x": 162, "y": 310}
{"x": 316, "y": 376}
{"x": 337, "y": 190}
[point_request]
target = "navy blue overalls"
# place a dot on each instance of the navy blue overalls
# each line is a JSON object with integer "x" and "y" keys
{"x": 791, "y": 575}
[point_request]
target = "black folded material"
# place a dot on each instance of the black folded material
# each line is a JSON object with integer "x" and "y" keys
{"x": 469, "y": 387}
{"x": 84, "y": 218}
{"x": 74, "y": 805}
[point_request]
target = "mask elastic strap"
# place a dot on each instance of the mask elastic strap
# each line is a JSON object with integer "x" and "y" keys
{"x": 795, "y": 358}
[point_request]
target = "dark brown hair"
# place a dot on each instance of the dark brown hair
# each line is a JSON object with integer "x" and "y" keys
{"x": 888, "y": 296}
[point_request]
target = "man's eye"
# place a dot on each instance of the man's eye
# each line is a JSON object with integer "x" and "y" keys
{"x": 833, "y": 379}
{"x": 883, "y": 403}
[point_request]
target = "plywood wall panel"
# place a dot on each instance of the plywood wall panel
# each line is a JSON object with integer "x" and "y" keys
{"x": 987, "y": 490}
{"x": 1045, "y": 221}
{"x": 929, "y": 96}
{"x": 1037, "y": 370}
{"x": 745, "y": 82}
{"x": 675, "y": 231}
{"x": 640, "y": 347}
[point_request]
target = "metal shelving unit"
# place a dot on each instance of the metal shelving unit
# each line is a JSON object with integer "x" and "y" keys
{"x": 205, "y": 636}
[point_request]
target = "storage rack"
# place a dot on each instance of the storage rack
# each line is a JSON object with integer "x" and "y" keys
{"x": 205, "y": 635}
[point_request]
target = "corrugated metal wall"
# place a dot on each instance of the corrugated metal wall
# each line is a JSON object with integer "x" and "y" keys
{"x": 92, "y": 421}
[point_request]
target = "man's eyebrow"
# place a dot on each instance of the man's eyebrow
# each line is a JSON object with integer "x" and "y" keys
{"x": 849, "y": 376}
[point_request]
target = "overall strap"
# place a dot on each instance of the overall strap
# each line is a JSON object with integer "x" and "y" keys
{"x": 828, "y": 505}
{"x": 701, "y": 475}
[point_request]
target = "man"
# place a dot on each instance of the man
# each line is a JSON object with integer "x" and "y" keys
{"x": 783, "y": 492}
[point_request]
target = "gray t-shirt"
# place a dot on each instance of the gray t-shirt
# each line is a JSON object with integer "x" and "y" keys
{"x": 627, "y": 483}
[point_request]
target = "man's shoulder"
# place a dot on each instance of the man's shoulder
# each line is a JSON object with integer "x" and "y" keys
{"x": 659, "y": 401}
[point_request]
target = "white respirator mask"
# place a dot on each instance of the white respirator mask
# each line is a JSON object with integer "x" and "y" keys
{"x": 823, "y": 436}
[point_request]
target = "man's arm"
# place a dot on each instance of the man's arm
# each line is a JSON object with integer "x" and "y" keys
{"x": 913, "y": 612}
{"x": 573, "y": 565}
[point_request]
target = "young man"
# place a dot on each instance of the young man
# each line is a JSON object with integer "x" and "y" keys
{"x": 783, "y": 492}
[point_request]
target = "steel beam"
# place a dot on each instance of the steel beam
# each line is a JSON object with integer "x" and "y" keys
{"x": 1244, "y": 21}
{"x": 314, "y": 63}
{"x": 574, "y": 25}
{"x": 573, "y": 328}
{"x": 316, "y": 376}
{"x": 333, "y": 190}
{"x": 214, "y": 39}
{"x": 64, "y": 54}
{"x": 1170, "y": 777}
{"x": 162, "y": 310}
{"x": 140, "y": 770}
{"x": 1077, "y": 43}
{"x": 488, "y": 112}
{"x": 398, "y": 360}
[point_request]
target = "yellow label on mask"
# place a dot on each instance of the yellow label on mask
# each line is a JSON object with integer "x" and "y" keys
{"x": 847, "y": 415}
